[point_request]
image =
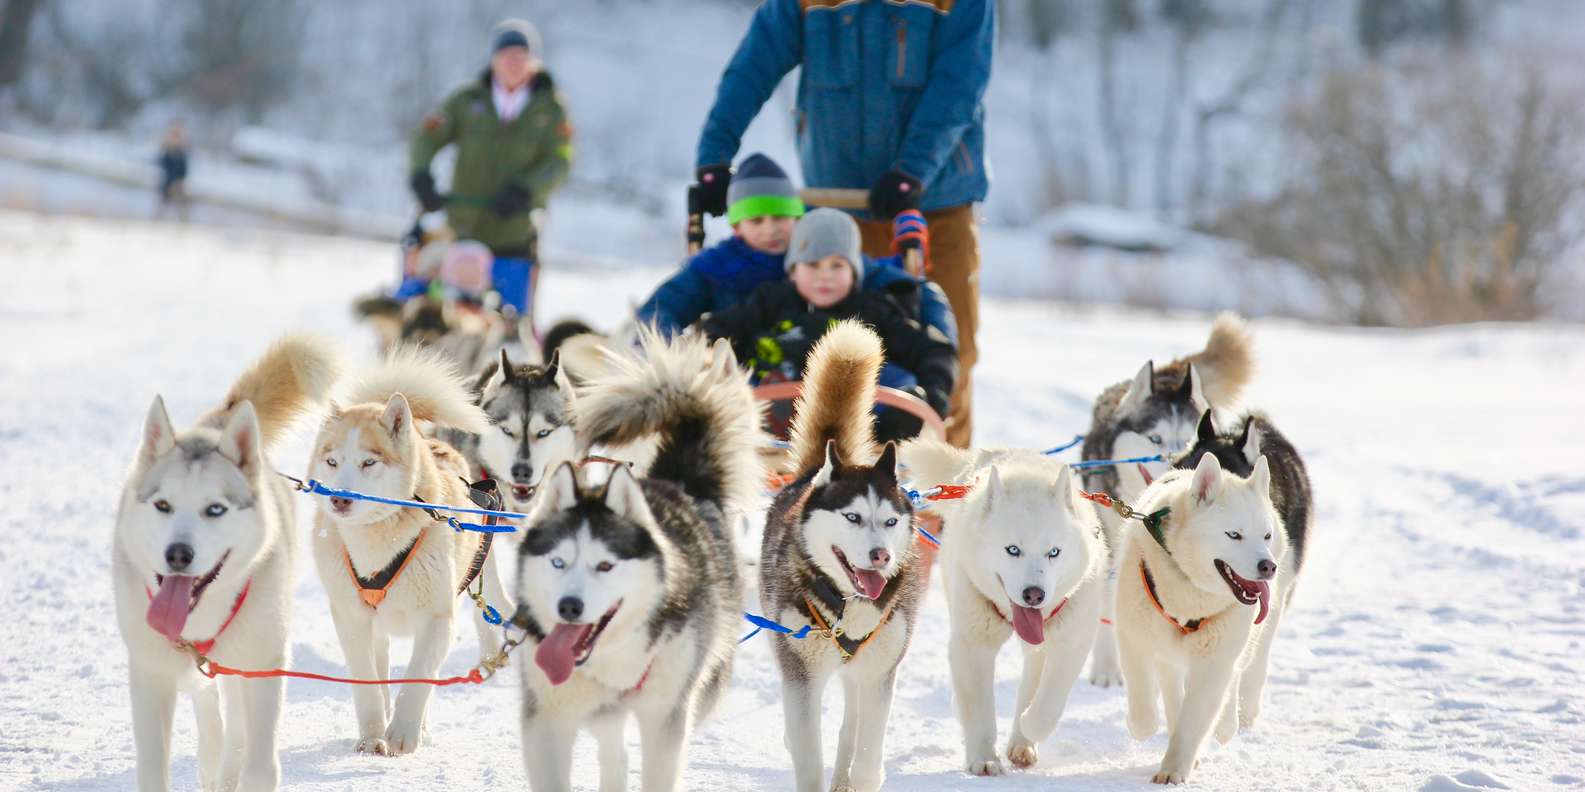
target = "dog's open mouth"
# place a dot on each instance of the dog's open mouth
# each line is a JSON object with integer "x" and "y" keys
{"x": 177, "y": 597}
{"x": 522, "y": 492}
{"x": 1245, "y": 590}
{"x": 569, "y": 646}
{"x": 869, "y": 582}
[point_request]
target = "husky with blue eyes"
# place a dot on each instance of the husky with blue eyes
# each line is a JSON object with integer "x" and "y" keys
{"x": 628, "y": 589}
{"x": 838, "y": 555}
{"x": 1021, "y": 554}
{"x": 1156, "y": 413}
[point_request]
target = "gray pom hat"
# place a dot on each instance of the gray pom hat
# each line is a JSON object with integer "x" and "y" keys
{"x": 825, "y": 232}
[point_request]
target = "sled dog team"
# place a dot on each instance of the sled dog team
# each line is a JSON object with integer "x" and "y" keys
{"x": 628, "y": 586}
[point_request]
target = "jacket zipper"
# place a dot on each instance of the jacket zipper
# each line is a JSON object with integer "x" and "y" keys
{"x": 902, "y": 46}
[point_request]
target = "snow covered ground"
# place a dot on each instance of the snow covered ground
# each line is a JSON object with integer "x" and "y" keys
{"x": 1435, "y": 644}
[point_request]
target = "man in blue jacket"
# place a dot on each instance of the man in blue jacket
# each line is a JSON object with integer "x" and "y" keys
{"x": 890, "y": 100}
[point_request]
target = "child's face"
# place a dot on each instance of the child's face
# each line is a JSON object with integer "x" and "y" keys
{"x": 766, "y": 233}
{"x": 823, "y": 283}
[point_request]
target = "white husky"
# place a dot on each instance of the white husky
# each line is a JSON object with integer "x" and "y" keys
{"x": 1184, "y": 630}
{"x": 203, "y": 560}
{"x": 1021, "y": 554}
{"x": 394, "y": 570}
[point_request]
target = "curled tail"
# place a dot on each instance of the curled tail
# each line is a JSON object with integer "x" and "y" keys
{"x": 434, "y": 389}
{"x": 1227, "y": 362}
{"x": 694, "y": 398}
{"x": 931, "y": 462}
{"x": 294, "y": 374}
{"x": 838, "y": 395}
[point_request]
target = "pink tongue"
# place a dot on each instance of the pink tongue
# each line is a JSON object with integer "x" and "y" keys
{"x": 870, "y": 583}
{"x": 1149, "y": 479}
{"x": 168, "y": 609}
{"x": 1265, "y": 601}
{"x": 555, "y": 654}
{"x": 1029, "y": 625}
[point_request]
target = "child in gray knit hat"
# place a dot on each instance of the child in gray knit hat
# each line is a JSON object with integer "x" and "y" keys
{"x": 824, "y": 260}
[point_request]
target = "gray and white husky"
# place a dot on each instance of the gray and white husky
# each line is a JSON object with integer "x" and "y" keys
{"x": 629, "y": 592}
{"x": 1156, "y": 413}
{"x": 838, "y": 554}
{"x": 203, "y": 558}
{"x": 1200, "y": 598}
{"x": 1021, "y": 554}
{"x": 531, "y": 430}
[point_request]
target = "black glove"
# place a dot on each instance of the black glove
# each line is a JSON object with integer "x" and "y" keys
{"x": 423, "y": 186}
{"x": 894, "y": 192}
{"x": 510, "y": 200}
{"x": 713, "y": 181}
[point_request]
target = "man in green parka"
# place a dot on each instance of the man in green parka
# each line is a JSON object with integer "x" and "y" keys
{"x": 514, "y": 146}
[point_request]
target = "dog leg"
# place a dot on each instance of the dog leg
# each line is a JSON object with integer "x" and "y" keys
{"x": 1142, "y": 687}
{"x": 211, "y": 734}
{"x": 1021, "y": 750}
{"x": 663, "y": 736}
{"x": 261, "y": 765}
{"x": 1171, "y": 680}
{"x": 875, "y": 711}
{"x": 382, "y": 670}
{"x": 1253, "y": 682}
{"x": 1204, "y": 695}
{"x": 974, "y": 696}
{"x": 1062, "y": 667}
{"x": 847, "y": 737}
{"x": 430, "y": 641}
{"x": 1105, "y": 670}
{"x": 608, "y": 735}
{"x": 359, "y": 644}
{"x": 153, "y": 710}
{"x": 1227, "y": 722}
{"x": 801, "y": 713}
{"x": 236, "y": 741}
{"x": 547, "y": 753}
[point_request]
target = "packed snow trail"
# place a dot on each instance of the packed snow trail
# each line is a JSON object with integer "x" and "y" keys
{"x": 1434, "y": 644}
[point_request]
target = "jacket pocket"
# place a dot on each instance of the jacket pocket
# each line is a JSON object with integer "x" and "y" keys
{"x": 908, "y": 64}
{"x": 831, "y": 48}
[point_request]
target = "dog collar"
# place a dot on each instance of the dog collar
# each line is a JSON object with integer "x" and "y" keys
{"x": 1190, "y": 626}
{"x": 203, "y": 647}
{"x": 846, "y": 645}
{"x": 1046, "y": 620}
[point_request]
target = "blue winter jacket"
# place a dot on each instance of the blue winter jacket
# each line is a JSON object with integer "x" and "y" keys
{"x": 725, "y": 274}
{"x": 886, "y": 84}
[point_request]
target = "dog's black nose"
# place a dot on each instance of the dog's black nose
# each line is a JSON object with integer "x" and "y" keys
{"x": 179, "y": 556}
{"x": 522, "y": 473}
{"x": 880, "y": 557}
{"x": 570, "y": 609}
{"x": 1034, "y": 596}
{"x": 1267, "y": 569}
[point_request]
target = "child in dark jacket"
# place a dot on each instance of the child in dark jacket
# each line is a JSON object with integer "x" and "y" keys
{"x": 774, "y": 331}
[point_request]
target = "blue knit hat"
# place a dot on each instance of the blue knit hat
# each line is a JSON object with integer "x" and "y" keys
{"x": 760, "y": 187}
{"x": 514, "y": 33}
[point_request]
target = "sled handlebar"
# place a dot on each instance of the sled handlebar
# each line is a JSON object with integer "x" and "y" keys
{"x": 891, "y": 397}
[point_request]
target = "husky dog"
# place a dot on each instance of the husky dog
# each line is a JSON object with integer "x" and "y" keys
{"x": 1184, "y": 627}
{"x": 392, "y": 570}
{"x": 530, "y": 411}
{"x": 1155, "y": 413}
{"x": 629, "y": 593}
{"x": 1021, "y": 554}
{"x": 203, "y": 558}
{"x": 838, "y": 554}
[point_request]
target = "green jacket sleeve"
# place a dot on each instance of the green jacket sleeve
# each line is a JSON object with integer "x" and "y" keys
{"x": 550, "y": 168}
{"x": 437, "y": 130}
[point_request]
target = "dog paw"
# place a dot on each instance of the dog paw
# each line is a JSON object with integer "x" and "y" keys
{"x": 1142, "y": 726}
{"x": 842, "y": 788}
{"x": 1106, "y": 677}
{"x": 403, "y": 738}
{"x": 1166, "y": 777}
{"x": 1247, "y": 716}
{"x": 989, "y": 767}
{"x": 373, "y": 745}
{"x": 1022, "y": 753}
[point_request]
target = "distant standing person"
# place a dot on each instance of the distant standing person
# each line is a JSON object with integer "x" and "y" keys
{"x": 514, "y": 146}
{"x": 173, "y": 171}
{"x": 890, "y": 101}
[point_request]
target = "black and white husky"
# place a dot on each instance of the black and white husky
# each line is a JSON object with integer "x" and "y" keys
{"x": 1199, "y": 599}
{"x": 1156, "y": 413}
{"x": 531, "y": 430}
{"x": 629, "y": 592}
{"x": 838, "y": 555}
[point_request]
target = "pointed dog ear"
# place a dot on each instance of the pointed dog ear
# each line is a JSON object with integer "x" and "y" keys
{"x": 552, "y": 369}
{"x": 832, "y": 464}
{"x": 885, "y": 470}
{"x": 561, "y": 488}
{"x": 158, "y": 435}
{"x": 1206, "y": 431}
{"x": 1194, "y": 390}
{"x": 1260, "y": 478}
{"x": 1142, "y": 388}
{"x": 1251, "y": 440}
{"x": 993, "y": 486}
{"x": 239, "y": 441}
{"x": 398, "y": 417}
{"x": 1207, "y": 481}
{"x": 1064, "y": 489}
{"x": 625, "y": 498}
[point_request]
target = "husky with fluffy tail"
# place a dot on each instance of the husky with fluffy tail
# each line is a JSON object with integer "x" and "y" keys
{"x": 629, "y": 592}
{"x": 1156, "y": 413}
{"x": 1200, "y": 594}
{"x": 391, "y": 570}
{"x": 1021, "y": 554}
{"x": 838, "y": 554}
{"x": 203, "y": 558}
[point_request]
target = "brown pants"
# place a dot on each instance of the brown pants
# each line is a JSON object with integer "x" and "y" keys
{"x": 955, "y": 266}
